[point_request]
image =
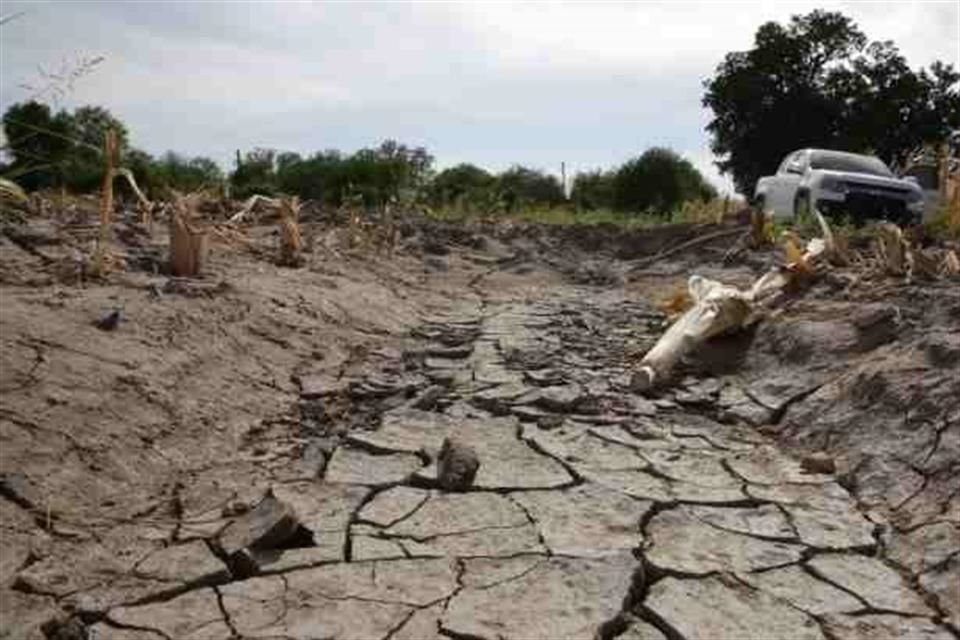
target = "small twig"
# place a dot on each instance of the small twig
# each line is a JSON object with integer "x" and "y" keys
{"x": 683, "y": 246}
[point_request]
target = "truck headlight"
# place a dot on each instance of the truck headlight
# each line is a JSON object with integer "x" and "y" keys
{"x": 829, "y": 183}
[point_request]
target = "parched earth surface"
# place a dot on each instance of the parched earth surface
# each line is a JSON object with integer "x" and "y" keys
{"x": 258, "y": 459}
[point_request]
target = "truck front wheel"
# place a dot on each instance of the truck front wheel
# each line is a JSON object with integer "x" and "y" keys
{"x": 802, "y": 207}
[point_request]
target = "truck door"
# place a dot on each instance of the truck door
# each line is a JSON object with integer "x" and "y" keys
{"x": 788, "y": 180}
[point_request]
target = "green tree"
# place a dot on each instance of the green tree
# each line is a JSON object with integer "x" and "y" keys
{"x": 39, "y": 142}
{"x": 465, "y": 185}
{"x": 522, "y": 186}
{"x": 88, "y": 126}
{"x": 658, "y": 181}
{"x": 816, "y": 83}
{"x": 593, "y": 190}
{"x": 256, "y": 173}
{"x": 173, "y": 171}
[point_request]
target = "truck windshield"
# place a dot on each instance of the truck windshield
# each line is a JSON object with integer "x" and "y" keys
{"x": 848, "y": 162}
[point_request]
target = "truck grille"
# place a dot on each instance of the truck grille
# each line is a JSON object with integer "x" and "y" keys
{"x": 861, "y": 207}
{"x": 863, "y": 187}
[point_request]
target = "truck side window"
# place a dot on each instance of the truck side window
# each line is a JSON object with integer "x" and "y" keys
{"x": 802, "y": 160}
{"x": 786, "y": 161}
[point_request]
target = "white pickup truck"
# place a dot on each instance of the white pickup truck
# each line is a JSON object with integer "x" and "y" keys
{"x": 840, "y": 185}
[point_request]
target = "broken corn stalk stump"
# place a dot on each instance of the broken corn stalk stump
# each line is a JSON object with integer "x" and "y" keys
{"x": 188, "y": 244}
{"x": 291, "y": 240}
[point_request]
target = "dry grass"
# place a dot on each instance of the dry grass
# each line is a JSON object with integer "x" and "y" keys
{"x": 677, "y": 301}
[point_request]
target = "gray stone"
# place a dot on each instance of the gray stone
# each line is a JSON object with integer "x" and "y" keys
{"x": 427, "y": 399}
{"x": 739, "y": 405}
{"x": 444, "y": 363}
{"x": 824, "y": 515}
{"x": 70, "y": 628}
{"x": 464, "y": 525}
{"x": 765, "y": 521}
{"x": 366, "y": 547}
{"x": 768, "y": 465}
{"x": 639, "y": 630}
{"x": 355, "y": 466}
{"x": 876, "y": 626}
{"x": 393, "y": 505}
{"x": 323, "y": 509}
{"x": 422, "y": 625}
{"x": 104, "y": 631}
{"x": 820, "y": 462}
{"x": 702, "y": 468}
{"x": 560, "y": 398}
{"x": 585, "y": 521}
{"x": 315, "y": 386}
{"x": 267, "y": 561}
{"x": 346, "y": 600}
{"x": 840, "y": 527}
{"x": 481, "y": 573}
{"x": 640, "y": 484}
{"x": 457, "y": 465}
{"x": 574, "y": 443}
{"x": 722, "y": 607}
{"x": 497, "y": 399}
{"x": 556, "y": 598}
{"x": 879, "y": 585}
{"x": 680, "y": 542}
{"x": 267, "y": 526}
{"x": 803, "y": 591}
{"x": 194, "y": 614}
{"x": 507, "y": 464}
{"x": 828, "y": 496}
{"x": 944, "y": 583}
{"x": 189, "y": 563}
{"x": 544, "y": 377}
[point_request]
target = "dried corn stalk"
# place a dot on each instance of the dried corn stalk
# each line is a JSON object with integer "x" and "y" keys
{"x": 100, "y": 257}
{"x": 11, "y": 192}
{"x": 894, "y": 251}
{"x": 250, "y": 204}
{"x": 291, "y": 241}
{"x": 761, "y": 228}
{"x": 188, "y": 243}
{"x": 951, "y": 264}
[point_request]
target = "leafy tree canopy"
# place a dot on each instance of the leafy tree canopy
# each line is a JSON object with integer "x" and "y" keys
{"x": 658, "y": 181}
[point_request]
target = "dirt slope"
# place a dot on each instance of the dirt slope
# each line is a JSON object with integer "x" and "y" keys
{"x": 131, "y": 457}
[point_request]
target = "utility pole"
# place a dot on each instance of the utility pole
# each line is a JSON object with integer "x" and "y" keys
{"x": 563, "y": 178}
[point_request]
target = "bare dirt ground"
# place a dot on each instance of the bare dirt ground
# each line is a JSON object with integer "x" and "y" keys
{"x": 255, "y": 455}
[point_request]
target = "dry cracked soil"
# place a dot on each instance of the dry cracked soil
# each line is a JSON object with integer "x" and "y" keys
{"x": 257, "y": 457}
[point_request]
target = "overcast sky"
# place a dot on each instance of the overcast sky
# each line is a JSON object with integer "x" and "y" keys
{"x": 495, "y": 84}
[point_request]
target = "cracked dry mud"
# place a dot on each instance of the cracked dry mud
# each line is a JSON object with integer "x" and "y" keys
{"x": 595, "y": 512}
